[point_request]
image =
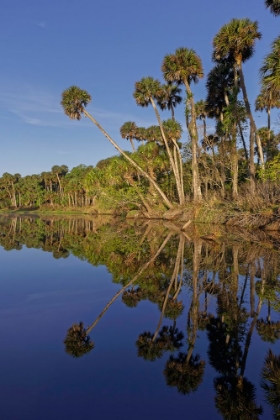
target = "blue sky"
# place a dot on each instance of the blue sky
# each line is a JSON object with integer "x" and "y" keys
{"x": 103, "y": 47}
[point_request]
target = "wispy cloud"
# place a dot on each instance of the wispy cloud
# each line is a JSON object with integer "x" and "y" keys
{"x": 42, "y": 24}
{"x": 40, "y": 107}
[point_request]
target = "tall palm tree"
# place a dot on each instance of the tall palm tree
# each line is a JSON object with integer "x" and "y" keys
{"x": 236, "y": 41}
{"x": 148, "y": 91}
{"x": 273, "y": 6}
{"x": 128, "y": 131}
{"x": 170, "y": 97}
{"x": 184, "y": 67}
{"x": 74, "y": 101}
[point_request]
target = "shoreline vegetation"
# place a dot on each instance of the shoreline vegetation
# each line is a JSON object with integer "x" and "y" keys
{"x": 227, "y": 175}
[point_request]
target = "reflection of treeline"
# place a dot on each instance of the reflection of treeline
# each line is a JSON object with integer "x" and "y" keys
{"x": 223, "y": 273}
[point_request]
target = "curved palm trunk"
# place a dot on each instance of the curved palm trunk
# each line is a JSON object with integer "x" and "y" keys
{"x": 128, "y": 284}
{"x": 249, "y": 113}
{"x": 133, "y": 163}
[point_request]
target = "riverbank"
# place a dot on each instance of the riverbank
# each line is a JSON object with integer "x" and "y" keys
{"x": 221, "y": 213}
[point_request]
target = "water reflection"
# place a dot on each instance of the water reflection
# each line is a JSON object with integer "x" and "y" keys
{"x": 232, "y": 280}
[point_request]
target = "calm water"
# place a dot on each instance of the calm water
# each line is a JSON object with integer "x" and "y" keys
{"x": 188, "y": 338}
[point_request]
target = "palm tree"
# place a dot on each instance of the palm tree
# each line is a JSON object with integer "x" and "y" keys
{"x": 128, "y": 131}
{"x": 273, "y": 6}
{"x": 170, "y": 98}
{"x": 147, "y": 91}
{"x": 270, "y": 70}
{"x": 265, "y": 102}
{"x": 184, "y": 67}
{"x": 271, "y": 382}
{"x": 74, "y": 101}
{"x": 235, "y": 41}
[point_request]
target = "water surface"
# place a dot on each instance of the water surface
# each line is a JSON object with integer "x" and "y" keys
{"x": 188, "y": 337}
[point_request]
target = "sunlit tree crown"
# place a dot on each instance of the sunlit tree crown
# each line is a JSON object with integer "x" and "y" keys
{"x": 236, "y": 39}
{"x": 183, "y": 65}
{"x": 74, "y": 100}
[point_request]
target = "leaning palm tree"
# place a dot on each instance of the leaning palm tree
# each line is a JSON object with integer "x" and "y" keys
{"x": 74, "y": 102}
{"x": 170, "y": 97}
{"x": 273, "y": 6}
{"x": 147, "y": 92}
{"x": 128, "y": 131}
{"x": 235, "y": 41}
{"x": 184, "y": 67}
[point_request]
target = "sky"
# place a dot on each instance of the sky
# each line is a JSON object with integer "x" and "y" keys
{"x": 103, "y": 47}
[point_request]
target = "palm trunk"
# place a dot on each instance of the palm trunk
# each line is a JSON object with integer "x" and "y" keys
{"x": 133, "y": 163}
{"x": 249, "y": 113}
{"x": 197, "y": 195}
{"x": 132, "y": 144}
{"x": 252, "y": 169}
{"x": 243, "y": 141}
{"x": 169, "y": 153}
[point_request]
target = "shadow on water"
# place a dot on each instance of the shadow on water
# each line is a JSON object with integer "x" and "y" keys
{"x": 232, "y": 280}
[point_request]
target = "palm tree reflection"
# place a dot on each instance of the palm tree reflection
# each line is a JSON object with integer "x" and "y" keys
{"x": 77, "y": 342}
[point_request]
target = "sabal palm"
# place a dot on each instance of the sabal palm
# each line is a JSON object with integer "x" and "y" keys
{"x": 74, "y": 100}
{"x": 236, "y": 41}
{"x": 170, "y": 97}
{"x": 185, "y": 66}
{"x": 148, "y": 91}
{"x": 128, "y": 131}
{"x": 141, "y": 134}
{"x": 273, "y": 6}
{"x": 153, "y": 134}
